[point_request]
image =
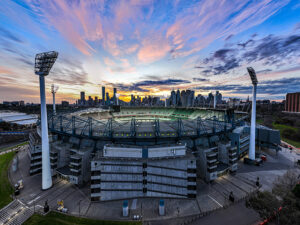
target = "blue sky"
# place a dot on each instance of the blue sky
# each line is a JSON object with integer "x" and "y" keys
{"x": 148, "y": 47}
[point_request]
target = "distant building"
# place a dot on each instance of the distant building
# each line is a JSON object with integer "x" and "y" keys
{"x": 65, "y": 104}
{"x": 82, "y": 98}
{"x": 292, "y": 102}
{"x": 107, "y": 98}
{"x": 103, "y": 95}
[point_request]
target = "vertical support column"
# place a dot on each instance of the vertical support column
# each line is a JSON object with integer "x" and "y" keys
{"x": 253, "y": 125}
{"x": 46, "y": 170}
{"x": 90, "y": 127}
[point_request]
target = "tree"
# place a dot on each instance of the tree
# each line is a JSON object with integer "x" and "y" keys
{"x": 283, "y": 203}
{"x": 265, "y": 203}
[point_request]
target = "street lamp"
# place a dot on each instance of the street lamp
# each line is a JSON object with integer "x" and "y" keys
{"x": 54, "y": 89}
{"x": 43, "y": 64}
{"x": 253, "y": 114}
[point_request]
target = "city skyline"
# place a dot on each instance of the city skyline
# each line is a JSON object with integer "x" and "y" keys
{"x": 150, "y": 47}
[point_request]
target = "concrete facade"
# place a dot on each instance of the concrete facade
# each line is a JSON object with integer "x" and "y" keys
{"x": 169, "y": 173}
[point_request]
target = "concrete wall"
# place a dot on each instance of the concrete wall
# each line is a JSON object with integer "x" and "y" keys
{"x": 122, "y": 179}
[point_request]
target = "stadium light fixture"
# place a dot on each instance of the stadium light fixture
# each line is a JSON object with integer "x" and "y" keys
{"x": 54, "y": 89}
{"x": 253, "y": 77}
{"x": 43, "y": 64}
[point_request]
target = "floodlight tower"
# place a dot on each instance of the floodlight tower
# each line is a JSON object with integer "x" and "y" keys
{"x": 253, "y": 114}
{"x": 43, "y": 64}
{"x": 54, "y": 89}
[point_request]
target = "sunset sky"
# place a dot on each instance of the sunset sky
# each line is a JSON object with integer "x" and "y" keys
{"x": 149, "y": 47}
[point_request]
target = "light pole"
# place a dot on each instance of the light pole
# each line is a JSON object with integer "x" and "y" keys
{"x": 54, "y": 89}
{"x": 253, "y": 114}
{"x": 43, "y": 64}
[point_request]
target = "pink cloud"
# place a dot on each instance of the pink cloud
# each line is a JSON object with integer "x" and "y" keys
{"x": 4, "y": 70}
{"x": 153, "y": 49}
{"x": 209, "y": 20}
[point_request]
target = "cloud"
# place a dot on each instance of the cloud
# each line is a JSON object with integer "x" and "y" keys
{"x": 69, "y": 72}
{"x": 7, "y": 34}
{"x": 200, "y": 24}
{"x": 195, "y": 79}
{"x": 270, "y": 50}
{"x": 153, "y": 49}
{"x": 122, "y": 66}
{"x": 4, "y": 70}
{"x": 222, "y": 61}
{"x": 272, "y": 87}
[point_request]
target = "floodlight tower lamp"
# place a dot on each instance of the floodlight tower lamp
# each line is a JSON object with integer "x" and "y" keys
{"x": 43, "y": 64}
{"x": 253, "y": 77}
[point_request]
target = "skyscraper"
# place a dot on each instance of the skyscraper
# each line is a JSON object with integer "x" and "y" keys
{"x": 103, "y": 95}
{"x": 178, "y": 102}
{"x": 107, "y": 98}
{"x": 82, "y": 98}
{"x": 115, "y": 97}
{"x": 173, "y": 98}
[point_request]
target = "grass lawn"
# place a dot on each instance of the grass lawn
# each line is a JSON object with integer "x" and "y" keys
{"x": 5, "y": 188}
{"x": 54, "y": 218}
{"x": 282, "y": 127}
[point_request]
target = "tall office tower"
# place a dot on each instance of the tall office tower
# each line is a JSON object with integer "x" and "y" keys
{"x": 173, "y": 98}
{"x": 189, "y": 98}
{"x": 82, "y": 98}
{"x": 178, "y": 102}
{"x": 107, "y": 98}
{"x": 210, "y": 99}
{"x": 103, "y": 95}
{"x": 183, "y": 98}
{"x": 219, "y": 97}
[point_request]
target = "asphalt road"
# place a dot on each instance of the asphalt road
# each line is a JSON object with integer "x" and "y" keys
{"x": 236, "y": 214}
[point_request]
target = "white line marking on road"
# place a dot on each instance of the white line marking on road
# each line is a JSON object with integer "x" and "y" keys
{"x": 215, "y": 200}
{"x": 33, "y": 200}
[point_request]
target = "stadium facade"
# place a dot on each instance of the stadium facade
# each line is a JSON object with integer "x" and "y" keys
{"x": 146, "y": 152}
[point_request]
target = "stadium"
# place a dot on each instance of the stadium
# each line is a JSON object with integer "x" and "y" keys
{"x": 129, "y": 152}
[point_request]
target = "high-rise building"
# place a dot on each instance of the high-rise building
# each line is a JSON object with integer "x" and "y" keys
{"x": 103, "y": 95}
{"x": 115, "y": 96}
{"x": 218, "y": 97}
{"x": 173, "y": 98}
{"x": 292, "y": 102}
{"x": 183, "y": 98}
{"x": 82, "y": 98}
{"x": 190, "y": 95}
{"x": 178, "y": 102}
{"x": 107, "y": 98}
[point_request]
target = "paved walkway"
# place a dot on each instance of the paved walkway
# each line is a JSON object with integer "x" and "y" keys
{"x": 15, "y": 213}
